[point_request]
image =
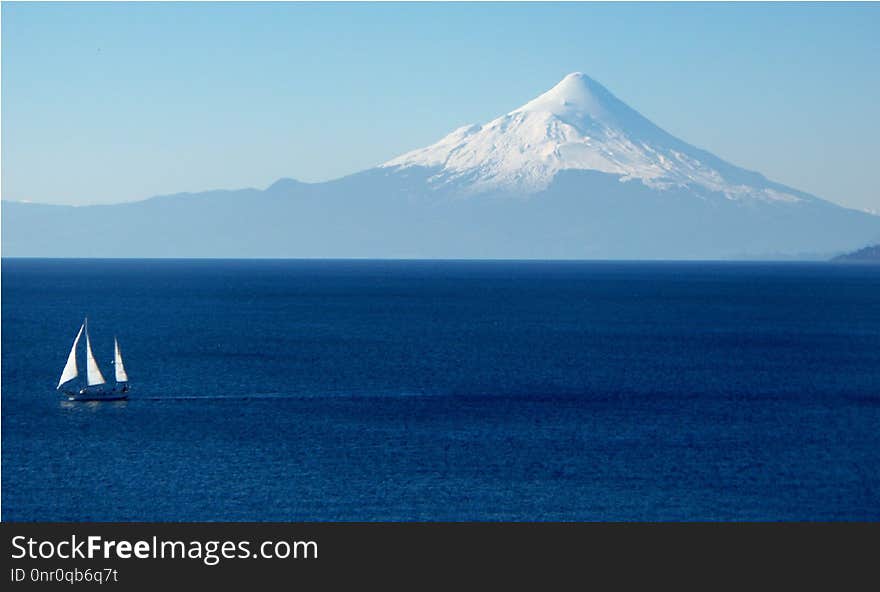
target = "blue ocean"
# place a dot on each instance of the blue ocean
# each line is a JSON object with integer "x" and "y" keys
{"x": 444, "y": 390}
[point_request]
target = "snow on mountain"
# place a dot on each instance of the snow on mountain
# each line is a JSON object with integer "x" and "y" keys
{"x": 577, "y": 125}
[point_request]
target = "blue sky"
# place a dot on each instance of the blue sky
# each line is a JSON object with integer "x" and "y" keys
{"x": 113, "y": 102}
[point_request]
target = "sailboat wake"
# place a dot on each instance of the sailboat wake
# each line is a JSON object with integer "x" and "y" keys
{"x": 237, "y": 397}
{"x": 279, "y": 395}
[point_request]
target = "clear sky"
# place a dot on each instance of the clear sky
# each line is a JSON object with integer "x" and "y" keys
{"x": 113, "y": 102}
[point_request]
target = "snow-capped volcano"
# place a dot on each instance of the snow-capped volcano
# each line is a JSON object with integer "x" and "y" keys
{"x": 573, "y": 174}
{"x": 577, "y": 125}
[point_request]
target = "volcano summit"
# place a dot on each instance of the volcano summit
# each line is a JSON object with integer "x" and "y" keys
{"x": 578, "y": 125}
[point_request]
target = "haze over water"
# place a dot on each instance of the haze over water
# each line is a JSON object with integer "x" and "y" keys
{"x": 430, "y": 390}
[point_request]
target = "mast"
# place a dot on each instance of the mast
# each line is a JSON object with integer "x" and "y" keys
{"x": 70, "y": 369}
{"x": 93, "y": 373}
{"x": 121, "y": 375}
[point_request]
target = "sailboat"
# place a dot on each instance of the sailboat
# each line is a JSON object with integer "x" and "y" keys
{"x": 94, "y": 389}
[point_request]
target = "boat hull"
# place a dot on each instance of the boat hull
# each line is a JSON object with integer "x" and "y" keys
{"x": 97, "y": 394}
{"x": 98, "y": 397}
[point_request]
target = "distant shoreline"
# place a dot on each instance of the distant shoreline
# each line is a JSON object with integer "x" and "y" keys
{"x": 869, "y": 254}
{"x": 834, "y": 260}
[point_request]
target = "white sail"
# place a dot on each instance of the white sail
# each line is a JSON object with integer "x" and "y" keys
{"x": 70, "y": 370}
{"x": 93, "y": 373}
{"x": 121, "y": 376}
